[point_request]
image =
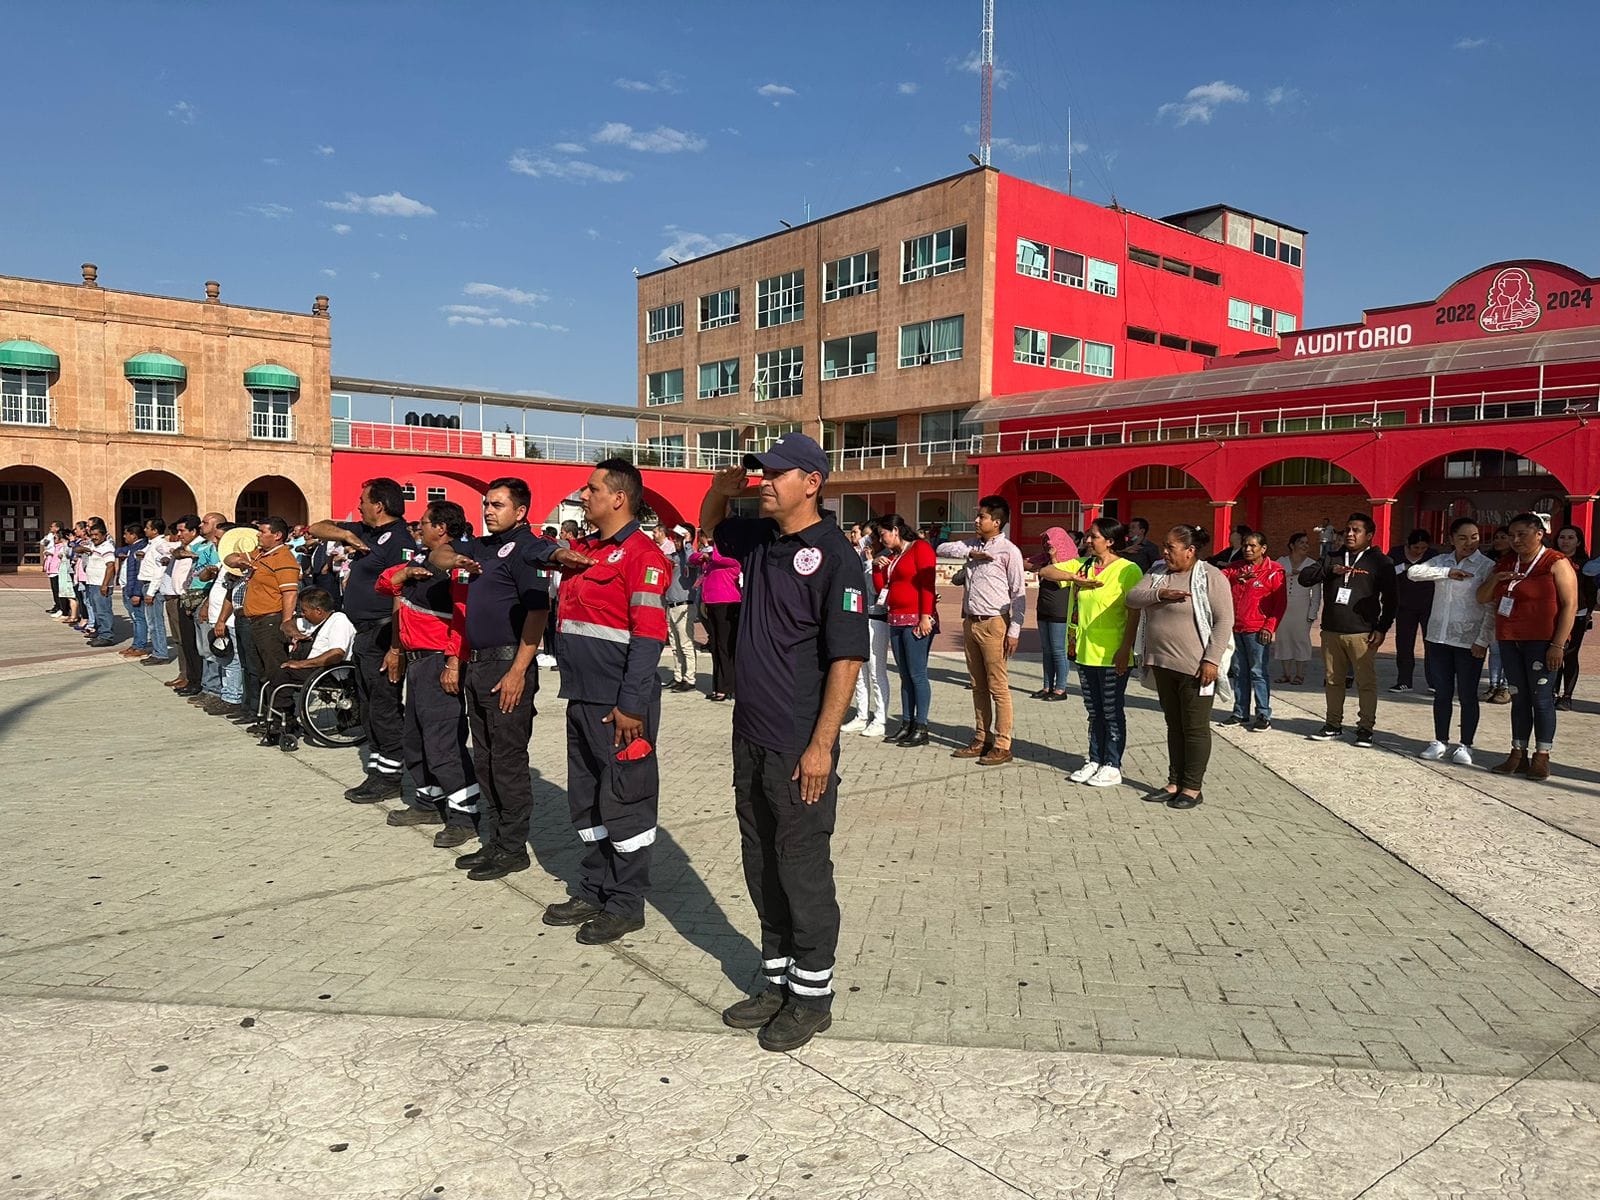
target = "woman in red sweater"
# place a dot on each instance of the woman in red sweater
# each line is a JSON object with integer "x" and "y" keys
{"x": 903, "y": 576}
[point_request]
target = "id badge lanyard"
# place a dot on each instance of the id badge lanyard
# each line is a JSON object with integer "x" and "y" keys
{"x": 1517, "y": 577}
{"x": 1342, "y": 596}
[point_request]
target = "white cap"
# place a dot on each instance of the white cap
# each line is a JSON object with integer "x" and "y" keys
{"x": 680, "y": 531}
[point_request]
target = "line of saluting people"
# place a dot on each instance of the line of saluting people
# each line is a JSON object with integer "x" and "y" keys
{"x": 444, "y": 631}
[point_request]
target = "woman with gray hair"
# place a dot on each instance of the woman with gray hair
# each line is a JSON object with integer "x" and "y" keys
{"x": 1187, "y": 625}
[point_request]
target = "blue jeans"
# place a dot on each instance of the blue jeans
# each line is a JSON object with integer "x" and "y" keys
{"x": 141, "y": 627}
{"x": 911, "y": 656}
{"x": 1497, "y": 675}
{"x": 1533, "y": 706}
{"x": 102, "y": 613}
{"x": 1053, "y": 642}
{"x": 155, "y": 619}
{"x": 1453, "y": 674}
{"x": 1249, "y": 677}
{"x": 1104, "y": 696}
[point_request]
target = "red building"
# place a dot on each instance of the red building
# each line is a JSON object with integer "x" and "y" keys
{"x": 1479, "y": 402}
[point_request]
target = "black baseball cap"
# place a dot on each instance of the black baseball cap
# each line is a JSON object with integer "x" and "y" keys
{"x": 788, "y": 452}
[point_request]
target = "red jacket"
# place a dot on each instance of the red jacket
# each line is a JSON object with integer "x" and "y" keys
{"x": 433, "y": 612}
{"x": 614, "y": 621}
{"x": 1260, "y": 595}
{"x": 910, "y": 578}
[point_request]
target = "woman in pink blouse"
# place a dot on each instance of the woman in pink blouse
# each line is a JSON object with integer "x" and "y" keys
{"x": 719, "y": 599}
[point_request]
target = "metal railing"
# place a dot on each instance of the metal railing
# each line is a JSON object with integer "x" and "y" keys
{"x": 472, "y": 443}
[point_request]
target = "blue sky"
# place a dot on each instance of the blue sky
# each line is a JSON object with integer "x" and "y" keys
{"x": 473, "y": 183}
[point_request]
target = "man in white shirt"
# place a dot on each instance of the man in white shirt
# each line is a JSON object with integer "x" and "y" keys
{"x": 152, "y": 570}
{"x": 1460, "y": 631}
{"x": 99, "y": 579}
{"x": 331, "y": 636}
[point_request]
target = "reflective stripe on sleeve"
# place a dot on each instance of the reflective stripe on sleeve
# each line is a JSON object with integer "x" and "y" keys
{"x": 589, "y": 629}
{"x": 646, "y": 600}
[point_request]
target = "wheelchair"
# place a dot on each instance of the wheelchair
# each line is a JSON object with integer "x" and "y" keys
{"x": 325, "y": 711}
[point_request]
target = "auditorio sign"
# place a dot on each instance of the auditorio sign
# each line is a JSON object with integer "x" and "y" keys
{"x": 1506, "y": 298}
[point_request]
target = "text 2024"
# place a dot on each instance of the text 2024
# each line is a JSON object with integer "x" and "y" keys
{"x": 1571, "y": 298}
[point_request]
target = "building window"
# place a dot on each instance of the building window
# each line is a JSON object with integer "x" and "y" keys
{"x": 1264, "y": 244}
{"x": 155, "y": 406}
{"x": 1206, "y": 348}
{"x": 24, "y": 397}
{"x": 408, "y": 492}
{"x": 929, "y": 342}
{"x": 1098, "y": 359}
{"x": 1286, "y": 322}
{"x": 719, "y": 308}
{"x": 1030, "y": 346}
{"x": 715, "y": 449}
{"x": 852, "y": 275}
{"x": 668, "y": 450}
{"x": 1239, "y": 314}
{"x": 719, "y": 379}
{"x": 780, "y": 373}
{"x": 1261, "y": 320}
{"x": 1147, "y": 336}
{"x": 1145, "y": 258}
{"x": 437, "y": 495}
{"x": 933, "y": 254}
{"x": 855, "y": 355}
{"x": 781, "y": 299}
{"x": 1289, "y": 254}
{"x": 1102, "y": 277}
{"x": 252, "y": 508}
{"x": 1033, "y": 258}
{"x": 1205, "y": 275}
{"x": 664, "y": 387}
{"x": 665, "y": 322}
{"x": 271, "y": 414}
{"x": 1304, "y": 472}
{"x": 949, "y": 429}
{"x": 1068, "y": 267}
{"x": 1160, "y": 479}
{"x": 1171, "y": 341}
{"x": 1066, "y": 353}
{"x": 859, "y": 509}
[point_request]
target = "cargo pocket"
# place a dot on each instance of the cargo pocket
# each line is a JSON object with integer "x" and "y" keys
{"x": 632, "y": 782}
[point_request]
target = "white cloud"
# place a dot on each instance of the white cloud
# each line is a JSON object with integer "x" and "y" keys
{"x": 272, "y": 212}
{"x": 686, "y": 244}
{"x": 390, "y": 204}
{"x": 325, "y": 151}
{"x": 907, "y": 89}
{"x": 272, "y": 162}
{"x": 593, "y": 234}
{"x": 1471, "y": 43}
{"x": 1281, "y": 95}
{"x": 183, "y": 112}
{"x": 468, "y": 310}
{"x": 512, "y": 295}
{"x": 661, "y": 140}
{"x": 489, "y": 318}
{"x": 665, "y": 81}
{"x": 539, "y": 166}
{"x": 570, "y": 148}
{"x": 376, "y": 275}
{"x": 1200, "y": 102}
{"x": 771, "y": 90}
{"x": 973, "y": 65}
{"x": 341, "y": 229}
{"x": 330, "y": 272}
{"x": 1017, "y": 149}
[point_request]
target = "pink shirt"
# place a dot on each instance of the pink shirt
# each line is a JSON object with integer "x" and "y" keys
{"x": 719, "y": 579}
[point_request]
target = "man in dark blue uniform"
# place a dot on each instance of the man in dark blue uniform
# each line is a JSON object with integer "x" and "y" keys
{"x": 613, "y": 628}
{"x": 378, "y": 541}
{"x": 802, "y": 640}
{"x": 507, "y": 604}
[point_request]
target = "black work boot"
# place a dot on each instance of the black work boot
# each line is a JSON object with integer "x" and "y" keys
{"x": 571, "y": 912}
{"x": 754, "y": 1011}
{"x": 453, "y": 835}
{"x": 415, "y": 816}
{"x": 498, "y": 864}
{"x": 377, "y": 787}
{"x": 608, "y": 927}
{"x": 474, "y": 858}
{"x": 793, "y": 1027}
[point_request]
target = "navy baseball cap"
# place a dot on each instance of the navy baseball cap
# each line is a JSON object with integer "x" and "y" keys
{"x": 788, "y": 452}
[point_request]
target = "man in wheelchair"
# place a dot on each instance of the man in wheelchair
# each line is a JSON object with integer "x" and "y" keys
{"x": 325, "y": 639}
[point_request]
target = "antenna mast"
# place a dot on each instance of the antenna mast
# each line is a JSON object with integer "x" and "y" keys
{"x": 986, "y": 83}
{"x": 1069, "y": 152}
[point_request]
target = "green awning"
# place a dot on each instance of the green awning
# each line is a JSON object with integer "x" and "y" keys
{"x": 155, "y": 366}
{"x": 272, "y": 377}
{"x": 30, "y": 355}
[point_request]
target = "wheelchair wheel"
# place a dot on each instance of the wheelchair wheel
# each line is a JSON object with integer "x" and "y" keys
{"x": 329, "y": 708}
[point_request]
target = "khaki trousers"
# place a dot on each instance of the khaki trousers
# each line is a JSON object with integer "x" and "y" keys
{"x": 1341, "y": 651}
{"x": 680, "y": 631}
{"x": 985, "y": 639}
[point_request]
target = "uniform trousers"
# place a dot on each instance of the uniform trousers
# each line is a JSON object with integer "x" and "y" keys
{"x": 614, "y": 806}
{"x": 788, "y": 867}
{"x": 436, "y": 744}
{"x": 380, "y": 699}
{"x": 500, "y": 754}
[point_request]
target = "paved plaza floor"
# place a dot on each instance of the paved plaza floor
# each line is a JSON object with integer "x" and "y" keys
{"x": 1348, "y": 973}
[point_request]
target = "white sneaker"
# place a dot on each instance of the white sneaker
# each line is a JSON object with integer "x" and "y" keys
{"x": 1105, "y": 777}
{"x": 1433, "y": 751}
{"x": 875, "y": 729}
{"x": 855, "y": 725}
{"x": 1461, "y": 756}
{"x": 1084, "y": 773}
{"x": 545, "y": 660}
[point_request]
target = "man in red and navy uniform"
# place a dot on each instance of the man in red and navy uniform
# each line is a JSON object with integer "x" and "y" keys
{"x": 431, "y": 615}
{"x": 613, "y": 629}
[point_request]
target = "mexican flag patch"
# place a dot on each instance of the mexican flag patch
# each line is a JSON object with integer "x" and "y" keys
{"x": 852, "y": 600}
{"x": 652, "y": 576}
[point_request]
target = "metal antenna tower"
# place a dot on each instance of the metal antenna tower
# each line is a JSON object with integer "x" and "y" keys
{"x": 986, "y": 83}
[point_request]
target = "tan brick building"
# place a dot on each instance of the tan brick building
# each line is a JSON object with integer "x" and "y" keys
{"x": 123, "y": 405}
